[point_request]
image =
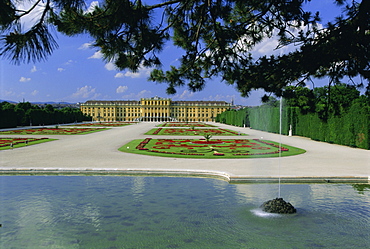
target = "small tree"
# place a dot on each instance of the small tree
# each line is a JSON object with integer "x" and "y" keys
{"x": 207, "y": 137}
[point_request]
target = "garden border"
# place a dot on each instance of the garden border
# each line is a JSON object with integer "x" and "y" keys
{"x": 185, "y": 173}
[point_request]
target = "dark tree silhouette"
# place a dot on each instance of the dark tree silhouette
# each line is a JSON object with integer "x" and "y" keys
{"x": 216, "y": 36}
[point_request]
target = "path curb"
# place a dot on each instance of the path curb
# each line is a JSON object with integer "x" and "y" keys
{"x": 184, "y": 173}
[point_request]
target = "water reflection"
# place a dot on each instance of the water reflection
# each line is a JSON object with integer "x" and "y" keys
{"x": 158, "y": 212}
{"x": 138, "y": 188}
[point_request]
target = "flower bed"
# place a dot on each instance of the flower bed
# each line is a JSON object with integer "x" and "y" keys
{"x": 106, "y": 124}
{"x": 192, "y": 132}
{"x": 183, "y": 124}
{"x": 10, "y": 142}
{"x": 53, "y": 131}
{"x": 217, "y": 148}
{"x": 208, "y": 142}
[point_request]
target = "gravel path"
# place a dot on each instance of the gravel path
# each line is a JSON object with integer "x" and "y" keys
{"x": 98, "y": 152}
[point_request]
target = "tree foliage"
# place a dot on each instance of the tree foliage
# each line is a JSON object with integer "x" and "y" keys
{"x": 216, "y": 36}
{"x": 325, "y": 101}
{"x": 24, "y": 114}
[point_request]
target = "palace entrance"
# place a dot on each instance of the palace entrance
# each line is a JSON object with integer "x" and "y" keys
{"x": 156, "y": 119}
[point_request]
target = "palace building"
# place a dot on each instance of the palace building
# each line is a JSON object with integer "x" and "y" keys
{"x": 154, "y": 110}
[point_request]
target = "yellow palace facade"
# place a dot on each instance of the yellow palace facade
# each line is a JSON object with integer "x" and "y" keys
{"x": 154, "y": 110}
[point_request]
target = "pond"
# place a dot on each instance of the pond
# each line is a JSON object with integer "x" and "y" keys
{"x": 176, "y": 212}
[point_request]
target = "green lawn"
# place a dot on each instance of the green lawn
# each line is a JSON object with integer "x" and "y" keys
{"x": 184, "y": 124}
{"x": 105, "y": 124}
{"x": 7, "y": 143}
{"x": 215, "y": 148}
{"x": 53, "y": 131}
{"x": 193, "y": 132}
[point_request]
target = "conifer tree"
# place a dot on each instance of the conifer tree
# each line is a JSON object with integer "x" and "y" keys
{"x": 216, "y": 36}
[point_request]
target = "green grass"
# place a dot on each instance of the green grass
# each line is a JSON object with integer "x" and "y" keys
{"x": 184, "y": 124}
{"x": 226, "y": 148}
{"x": 193, "y": 132}
{"x": 53, "y": 131}
{"x": 106, "y": 124}
{"x": 5, "y": 143}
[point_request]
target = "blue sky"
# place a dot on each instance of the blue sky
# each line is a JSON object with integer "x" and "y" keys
{"x": 76, "y": 73}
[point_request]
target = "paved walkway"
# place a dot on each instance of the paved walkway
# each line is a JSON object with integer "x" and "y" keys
{"x": 97, "y": 153}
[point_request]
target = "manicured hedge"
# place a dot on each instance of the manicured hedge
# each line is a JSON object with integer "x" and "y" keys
{"x": 352, "y": 128}
{"x": 267, "y": 118}
{"x": 234, "y": 117}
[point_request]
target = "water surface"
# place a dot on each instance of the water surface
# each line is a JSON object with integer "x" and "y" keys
{"x": 174, "y": 212}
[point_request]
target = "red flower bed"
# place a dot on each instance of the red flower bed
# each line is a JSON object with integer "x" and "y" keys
{"x": 5, "y": 142}
{"x": 208, "y": 142}
{"x": 52, "y": 131}
{"x": 184, "y": 131}
{"x": 106, "y": 124}
{"x": 182, "y": 124}
{"x": 233, "y": 147}
{"x": 218, "y": 154}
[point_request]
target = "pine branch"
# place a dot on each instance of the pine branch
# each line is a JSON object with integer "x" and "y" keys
{"x": 160, "y": 5}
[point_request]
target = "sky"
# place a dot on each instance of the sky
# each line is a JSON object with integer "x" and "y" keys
{"x": 76, "y": 73}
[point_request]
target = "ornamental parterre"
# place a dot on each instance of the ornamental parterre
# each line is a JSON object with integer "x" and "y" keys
{"x": 110, "y": 124}
{"x": 191, "y": 132}
{"x": 9, "y": 141}
{"x": 182, "y": 124}
{"x": 53, "y": 131}
{"x": 215, "y": 147}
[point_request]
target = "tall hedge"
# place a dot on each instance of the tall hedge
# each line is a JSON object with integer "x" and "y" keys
{"x": 234, "y": 117}
{"x": 267, "y": 118}
{"x": 352, "y": 128}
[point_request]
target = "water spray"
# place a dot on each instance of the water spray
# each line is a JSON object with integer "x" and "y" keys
{"x": 280, "y": 130}
{"x": 278, "y": 205}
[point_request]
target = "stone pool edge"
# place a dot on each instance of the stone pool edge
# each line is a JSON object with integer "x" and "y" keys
{"x": 185, "y": 173}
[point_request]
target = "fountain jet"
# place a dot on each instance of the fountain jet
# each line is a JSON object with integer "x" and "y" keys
{"x": 278, "y": 205}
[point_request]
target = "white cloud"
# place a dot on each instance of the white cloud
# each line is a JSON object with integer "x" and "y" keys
{"x": 85, "y": 92}
{"x": 220, "y": 97}
{"x": 60, "y": 69}
{"x": 34, "y": 93}
{"x": 5, "y": 93}
{"x": 110, "y": 66}
{"x": 121, "y": 89}
{"x": 142, "y": 72}
{"x": 144, "y": 94}
{"x": 141, "y": 94}
{"x": 29, "y": 20}
{"x": 96, "y": 55}
{"x": 33, "y": 69}
{"x": 85, "y": 46}
{"x": 184, "y": 95}
{"x": 24, "y": 79}
{"x": 268, "y": 46}
{"x": 92, "y": 6}
{"x": 119, "y": 75}
{"x": 69, "y": 62}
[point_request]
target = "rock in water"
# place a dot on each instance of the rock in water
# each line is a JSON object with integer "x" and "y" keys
{"x": 278, "y": 206}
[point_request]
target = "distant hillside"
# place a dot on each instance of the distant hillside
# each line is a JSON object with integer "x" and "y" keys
{"x": 41, "y": 103}
{"x": 8, "y": 101}
{"x": 52, "y": 103}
